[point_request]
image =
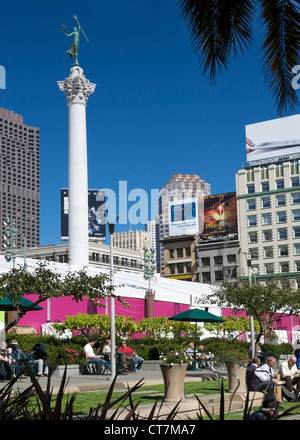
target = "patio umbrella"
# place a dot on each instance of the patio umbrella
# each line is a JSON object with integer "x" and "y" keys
{"x": 7, "y": 306}
{"x": 196, "y": 315}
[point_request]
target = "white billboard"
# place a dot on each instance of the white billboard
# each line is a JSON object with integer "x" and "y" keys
{"x": 184, "y": 217}
{"x": 273, "y": 139}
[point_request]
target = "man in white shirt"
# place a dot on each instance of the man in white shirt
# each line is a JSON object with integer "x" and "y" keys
{"x": 91, "y": 357}
{"x": 290, "y": 374}
{"x": 265, "y": 373}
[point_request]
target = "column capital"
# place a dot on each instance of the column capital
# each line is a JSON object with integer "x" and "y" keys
{"x": 77, "y": 87}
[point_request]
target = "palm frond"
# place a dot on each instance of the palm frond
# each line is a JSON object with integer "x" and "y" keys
{"x": 218, "y": 28}
{"x": 281, "y": 49}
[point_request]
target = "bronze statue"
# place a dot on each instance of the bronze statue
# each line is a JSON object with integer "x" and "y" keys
{"x": 73, "y": 51}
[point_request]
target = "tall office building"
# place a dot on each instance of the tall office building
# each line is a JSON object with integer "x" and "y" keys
{"x": 179, "y": 187}
{"x": 268, "y": 202}
{"x": 20, "y": 178}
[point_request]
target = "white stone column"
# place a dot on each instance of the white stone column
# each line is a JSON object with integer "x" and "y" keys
{"x": 77, "y": 89}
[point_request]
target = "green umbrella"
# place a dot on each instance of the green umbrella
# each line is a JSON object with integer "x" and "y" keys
{"x": 7, "y": 306}
{"x": 196, "y": 315}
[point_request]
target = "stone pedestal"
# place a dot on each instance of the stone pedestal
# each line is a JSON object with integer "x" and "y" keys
{"x": 77, "y": 88}
{"x": 173, "y": 376}
{"x": 239, "y": 371}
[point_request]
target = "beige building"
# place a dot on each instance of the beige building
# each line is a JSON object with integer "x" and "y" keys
{"x": 99, "y": 255}
{"x": 268, "y": 205}
{"x": 180, "y": 257}
{"x": 132, "y": 240}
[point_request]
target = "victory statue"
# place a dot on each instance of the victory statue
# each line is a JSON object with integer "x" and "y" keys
{"x": 73, "y": 51}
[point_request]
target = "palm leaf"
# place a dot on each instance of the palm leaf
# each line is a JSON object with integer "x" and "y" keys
{"x": 281, "y": 48}
{"x": 218, "y": 28}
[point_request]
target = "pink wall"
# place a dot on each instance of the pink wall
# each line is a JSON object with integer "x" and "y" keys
{"x": 286, "y": 322}
{"x": 62, "y": 307}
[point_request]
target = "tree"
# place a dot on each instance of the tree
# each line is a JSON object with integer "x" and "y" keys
{"x": 266, "y": 303}
{"x": 222, "y": 28}
{"x": 47, "y": 283}
{"x": 232, "y": 324}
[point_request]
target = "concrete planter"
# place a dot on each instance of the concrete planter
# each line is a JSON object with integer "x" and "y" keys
{"x": 240, "y": 372}
{"x": 58, "y": 370}
{"x": 173, "y": 376}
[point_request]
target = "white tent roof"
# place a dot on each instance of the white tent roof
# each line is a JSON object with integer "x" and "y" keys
{"x": 130, "y": 284}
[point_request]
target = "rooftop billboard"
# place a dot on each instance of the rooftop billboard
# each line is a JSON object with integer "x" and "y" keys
{"x": 96, "y": 203}
{"x": 219, "y": 215}
{"x": 184, "y": 217}
{"x": 273, "y": 139}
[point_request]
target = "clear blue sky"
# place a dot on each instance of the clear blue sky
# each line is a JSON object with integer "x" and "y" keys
{"x": 152, "y": 114}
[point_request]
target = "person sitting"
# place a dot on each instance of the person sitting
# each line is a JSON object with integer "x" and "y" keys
{"x": 41, "y": 358}
{"x": 127, "y": 354}
{"x": 296, "y": 353}
{"x": 107, "y": 350}
{"x": 266, "y": 411}
{"x": 254, "y": 383}
{"x": 290, "y": 374}
{"x": 202, "y": 356}
{"x": 91, "y": 357}
{"x": 5, "y": 362}
{"x": 190, "y": 351}
{"x": 265, "y": 373}
{"x": 19, "y": 357}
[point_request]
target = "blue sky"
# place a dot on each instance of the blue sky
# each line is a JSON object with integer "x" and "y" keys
{"x": 152, "y": 114}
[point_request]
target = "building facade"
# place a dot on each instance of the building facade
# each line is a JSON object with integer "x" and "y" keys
{"x": 218, "y": 259}
{"x": 268, "y": 202}
{"x": 99, "y": 256}
{"x": 20, "y": 178}
{"x": 132, "y": 240}
{"x": 179, "y": 187}
{"x": 180, "y": 257}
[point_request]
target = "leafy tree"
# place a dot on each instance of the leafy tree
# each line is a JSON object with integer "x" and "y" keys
{"x": 266, "y": 303}
{"x": 47, "y": 283}
{"x": 232, "y": 324}
{"x": 222, "y": 28}
{"x": 86, "y": 323}
{"x": 160, "y": 327}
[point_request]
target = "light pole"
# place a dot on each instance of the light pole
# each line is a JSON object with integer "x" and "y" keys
{"x": 251, "y": 317}
{"x": 149, "y": 268}
{"x": 111, "y": 229}
{"x": 9, "y": 244}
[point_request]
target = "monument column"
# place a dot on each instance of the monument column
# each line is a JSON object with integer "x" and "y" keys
{"x": 78, "y": 88}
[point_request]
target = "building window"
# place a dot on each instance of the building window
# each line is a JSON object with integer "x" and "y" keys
{"x": 219, "y": 275}
{"x": 296, "y": 232}
{"x": 269, "y": 268}
{"x": 205, "y": 261}
{"x": 280, "y": 184}
{"x": 281, "y": 217}
{"x": 250, "y": 188}
{"x": 187, "y": 252}
{"x": 295, "y": 181}
{"x": 282, "y": 234}
{"x": 206, "y": 277}
{"x": 180, "y": 268}
{"x": 171, "y": 253}
{"x": 266, "y": 219}
{"x": 251, "y": 205}
{"x": 218, "y": 259}
{"x": 172, "y": 269}
{"x": 266, "y": 202}
{"x": 296, "y": 215}
{"x": 295, "y": 198}
{"x": 297, "y": 266}
{"x": 297, "y": 249}
{"x": 268, "y": 252}
{"x": 267, "y": 236}
{"x": 179, "y": 253}
{"x": 188, "y": 267}
{"x": 252, "y": 220}
{"x": 231, "y": 258}
{"x": 264, "y": 186}
{"x": 252, "y": 237}
{"x": 284, "y": 267}
{"x": 254, "y": 253}
{"x": 280, "y": 200}
{"x": 283, "y": 250}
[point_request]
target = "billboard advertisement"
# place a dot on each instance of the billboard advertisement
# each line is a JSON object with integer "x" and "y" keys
{"x": 273, "y": 139}
{"x": 219, "y": 215}
{"x": 96, "y": 204}
{"x": 183, "y": 217}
